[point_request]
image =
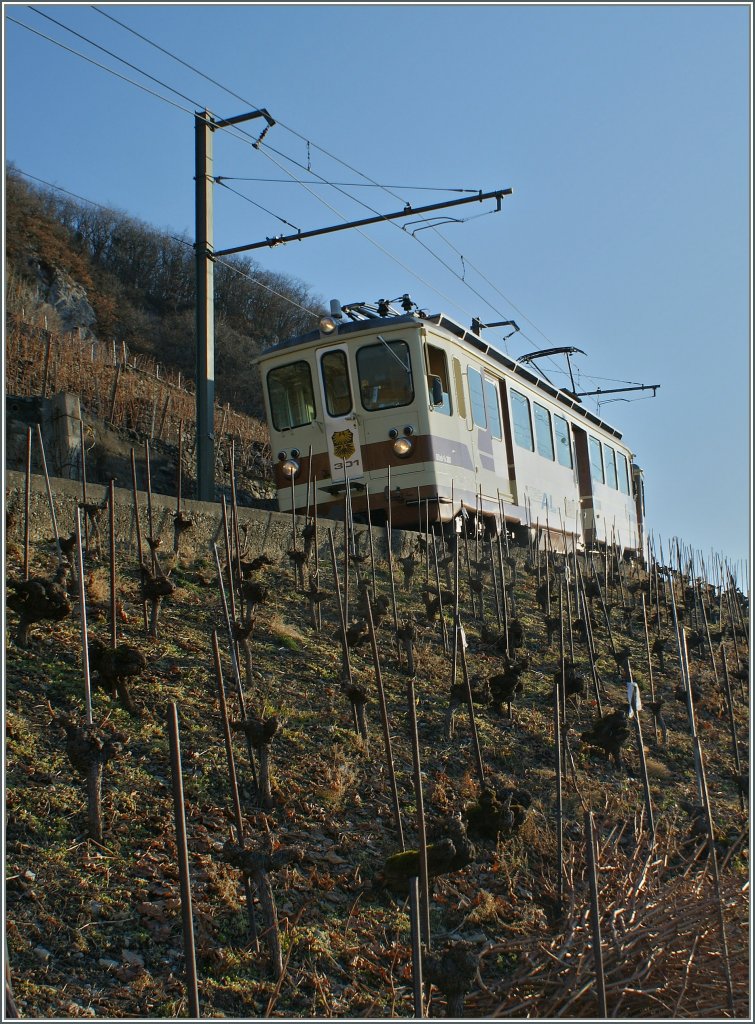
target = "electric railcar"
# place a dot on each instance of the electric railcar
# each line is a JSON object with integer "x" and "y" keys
{"x": 451, "y": 422}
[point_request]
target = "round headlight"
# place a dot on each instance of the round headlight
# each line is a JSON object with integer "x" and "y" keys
{"x": 327, "y": 325}
{"x": 402, "y": 446}
{"x": 290, "y": 468}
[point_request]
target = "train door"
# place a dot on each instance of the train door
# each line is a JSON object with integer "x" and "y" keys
{"x": 341, "y": 423}
{"x": 584, "y": 480}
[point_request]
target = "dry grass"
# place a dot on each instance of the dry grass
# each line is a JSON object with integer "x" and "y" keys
{"x": 132, "y": 392}
{"x": 347, "y": 938}
{"x": 661, "y": 943}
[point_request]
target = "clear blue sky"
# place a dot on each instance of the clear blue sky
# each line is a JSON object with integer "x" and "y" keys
{"x": 625, "y": 132}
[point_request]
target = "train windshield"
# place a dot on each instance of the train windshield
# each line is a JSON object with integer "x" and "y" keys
{"x": 335, "y": 376}
{"x": 385, "y": 375}
{"x": 292, "y": 400}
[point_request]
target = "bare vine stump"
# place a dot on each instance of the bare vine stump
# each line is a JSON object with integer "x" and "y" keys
{"x": 241, "y": 634}
{"x": 94, "y": 801}
{"x": 298, "y": 560}
{"x": 453, "y": 970}
{"x": 157, "y": 586}
{"x": 357, "y": 696}
{"x": 181, "y": 525}
{"x": 89, "y": 749}
{"x": 257, "y": 863}
{"x": 406, "y": 635}
{"x": 114, "y": 667}
{"x": 39, "y": 600}
{"x": 260, "y": 733}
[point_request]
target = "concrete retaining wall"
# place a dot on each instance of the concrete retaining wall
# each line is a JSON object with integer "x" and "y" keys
{"x": 58, "y": 418}
{"x": 268, "y": 532}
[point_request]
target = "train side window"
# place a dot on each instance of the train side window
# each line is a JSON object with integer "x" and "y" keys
{"x": 437, "y": 365}
{"x": 563, "y": 444}
{"x": 385, "y": 375}
{"x": 461, "y": 402}
{"x": 491, "y": 405}
{"x": 335, "y": 377}
{"x": 520, "y": 414}
{"x": 543, "y": 432}
{"x": 292, "y": 400}
{"x": 610, "y": 460}
{"x": 476, "y": 399}
{"x": 623, "y": 473}
{"x": 596, "y": 460}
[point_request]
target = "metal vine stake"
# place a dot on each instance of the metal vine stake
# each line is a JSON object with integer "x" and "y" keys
{"x": 235, "y": 663}
{"x": 27, "y": 498}
{"x": 597, "y": 951}
{"x": 732, "y": 725}
{"x": 419, "y": 803}
{"x": 49, "y": 495}
{"x": 233, "y": 783}
{"x": 183, "y": 862}
{"x": 386, "y": 728}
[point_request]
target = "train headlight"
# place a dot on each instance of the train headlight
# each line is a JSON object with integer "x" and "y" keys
{"x": 327, "y": 325}
{"x": 290, "y": 468}
{"x": 403, "y": 446}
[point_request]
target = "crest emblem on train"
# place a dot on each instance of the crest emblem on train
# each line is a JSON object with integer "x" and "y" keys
{"x": 343, "y": 444}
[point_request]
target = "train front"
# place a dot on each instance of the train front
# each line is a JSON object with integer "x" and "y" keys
{"x": 349, "y": 409}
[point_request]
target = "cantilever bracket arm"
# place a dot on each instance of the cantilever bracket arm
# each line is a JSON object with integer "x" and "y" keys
{"x": 614, "y": 391}
{"x": 408, "y": 211}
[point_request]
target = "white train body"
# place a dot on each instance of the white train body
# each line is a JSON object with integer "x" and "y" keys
{"x": 453, "y": 422}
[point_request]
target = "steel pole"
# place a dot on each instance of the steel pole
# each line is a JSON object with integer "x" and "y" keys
{"x": 205, "y": 312}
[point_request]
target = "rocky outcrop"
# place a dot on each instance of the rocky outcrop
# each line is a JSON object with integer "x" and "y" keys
{"x": 63, "y": 301}
{"x": 70, "y": 301}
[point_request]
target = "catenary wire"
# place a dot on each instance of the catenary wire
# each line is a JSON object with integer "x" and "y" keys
{"x": 256, "y": 145}
{"x": 427, "y": 248}
{"x": 362, "y": 184}
{"x": 115, "y": 56}
{"x": 185, "y": 110}
{"x": 222, "y": 183}
{"x": 286, "y": 298}
{"x": 369, "y": 182}
{"x": 249, "y": 139}
{"x": 97, "y": 64}
{"x": 176, "y": 238}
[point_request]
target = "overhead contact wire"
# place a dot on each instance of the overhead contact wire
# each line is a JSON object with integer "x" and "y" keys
{"x": 244, "y": 136}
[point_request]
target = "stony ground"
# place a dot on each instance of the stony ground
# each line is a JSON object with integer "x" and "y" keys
{"x": 95, "y": 929}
